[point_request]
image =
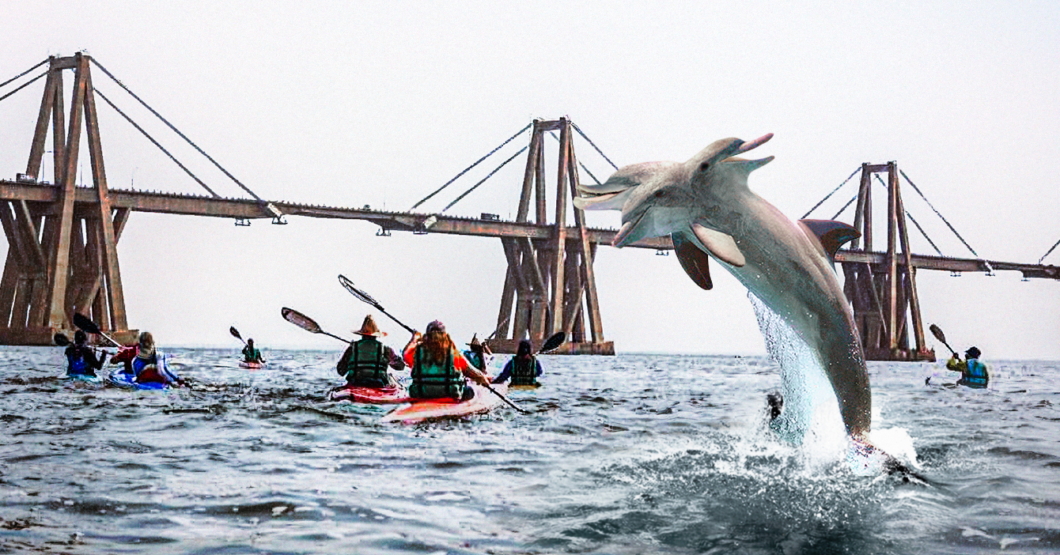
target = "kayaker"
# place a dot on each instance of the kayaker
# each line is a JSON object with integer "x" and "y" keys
{"x": 80, "y": 358}
{"x": 365, "y": 362}
{"x": 478, "y": 354}
{"x": 438, "y": 369}
{"x": 523, "y": 368}
{"x": 251, "y": 354}
{"x": 147, "y": 364}
{"x": 973, "y": 373}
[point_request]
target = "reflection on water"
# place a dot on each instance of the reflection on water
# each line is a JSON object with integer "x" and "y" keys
{"x": 633, "y": 454}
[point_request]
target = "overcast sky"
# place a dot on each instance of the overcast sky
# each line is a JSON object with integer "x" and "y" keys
{"x": 379, "y": 103}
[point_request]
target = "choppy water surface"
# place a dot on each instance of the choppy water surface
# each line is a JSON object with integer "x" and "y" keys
{"x": 630, "y": 454}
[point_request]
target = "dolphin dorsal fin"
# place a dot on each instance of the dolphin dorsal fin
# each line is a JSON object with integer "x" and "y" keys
{"x": 693, "y": 260}
{"x": 721, "y": 245}
{"x": 831, "y": 234}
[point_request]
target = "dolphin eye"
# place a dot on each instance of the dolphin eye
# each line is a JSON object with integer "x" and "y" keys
{"x": 704, "y": 166}
{"x": 660, "y": 194}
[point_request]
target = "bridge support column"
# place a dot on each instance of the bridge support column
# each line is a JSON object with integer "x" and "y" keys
{"x": 62, "y": 256}
{"x": 550, "y": 285}
{"x": 883, "y": 295}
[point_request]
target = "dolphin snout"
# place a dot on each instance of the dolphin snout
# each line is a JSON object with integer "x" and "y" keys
{"x": 751, "y": 145}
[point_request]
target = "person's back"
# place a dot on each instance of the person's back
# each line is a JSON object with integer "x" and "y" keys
{"x": 80, "y": 359}
{"x": 973, "y": 372}
{"x": 252, "y": 353}
{"x": 438, "y": 370}
{"x": 365, "y": 361}
{"x": 523, "y": 368}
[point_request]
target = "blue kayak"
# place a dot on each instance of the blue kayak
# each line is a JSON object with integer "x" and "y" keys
{"x": 128, "y": 381}
{"x": 83, "y": 378}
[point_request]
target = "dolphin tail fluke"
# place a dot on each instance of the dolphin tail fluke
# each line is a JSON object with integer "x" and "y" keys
{"x": 694, "y": 261}
{"x": 831, "y": 235}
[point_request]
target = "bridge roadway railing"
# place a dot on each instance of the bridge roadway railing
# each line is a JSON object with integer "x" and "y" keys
{"x": 194, "y": 205}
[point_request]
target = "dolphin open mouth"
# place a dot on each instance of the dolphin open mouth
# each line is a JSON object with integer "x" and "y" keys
{"x": 625, "y": 233}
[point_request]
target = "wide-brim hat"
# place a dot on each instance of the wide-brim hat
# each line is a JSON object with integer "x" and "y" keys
{"x": 972, "y": 352}
{"x": 368, "y": 328}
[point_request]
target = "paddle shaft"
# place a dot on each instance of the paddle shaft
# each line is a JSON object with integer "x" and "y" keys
{"x": 83, "y": 322}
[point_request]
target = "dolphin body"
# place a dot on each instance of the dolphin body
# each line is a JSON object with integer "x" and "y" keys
{"x": 708, "y": 210}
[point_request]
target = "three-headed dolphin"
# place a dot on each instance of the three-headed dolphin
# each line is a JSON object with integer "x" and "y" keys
{"x": 706, "y": 207}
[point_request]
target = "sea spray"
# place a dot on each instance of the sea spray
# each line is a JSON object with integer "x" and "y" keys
{"x": 811, "y": 413}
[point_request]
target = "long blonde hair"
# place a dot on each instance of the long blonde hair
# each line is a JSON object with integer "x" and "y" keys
{"x": 438, "y": 344}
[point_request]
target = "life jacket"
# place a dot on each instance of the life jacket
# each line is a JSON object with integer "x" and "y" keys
{"x": 431, "y": 380}
{"x": 976, "y": 374}
{"x": 153, "y": 370}
{"x": 251, "y": 354}
{"x": 475, "y": 359}
{"x": 366, "y": 365}
{"x": 76, "y": 363}
{"x": 524, "y": 371}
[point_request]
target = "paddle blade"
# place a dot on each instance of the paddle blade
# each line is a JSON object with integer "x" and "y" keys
{"x": 552, "y": 342}
{"x": 235, "y": 333}
{"x": 61, "y": 340}
{"x": 300, "y": 320}
{"x": 361, "y": 295}
{"x": 82, "y": 321}
{"x": 937, "y": 332}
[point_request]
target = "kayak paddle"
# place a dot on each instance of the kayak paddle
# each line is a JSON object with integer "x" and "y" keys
{"x": 305, "y": 322}
{"x": 235, "y": 333}
{"x": 937, "y": 332}
{"x": 551, "y": 343}
{"x": 82, "y": 321}
{"x": 366, "y": 298}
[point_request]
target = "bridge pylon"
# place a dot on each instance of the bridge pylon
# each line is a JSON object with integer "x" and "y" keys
{"x": 883, "y": 294}
{"x": 550, "y": 285}
{"x": 62, "y": 256}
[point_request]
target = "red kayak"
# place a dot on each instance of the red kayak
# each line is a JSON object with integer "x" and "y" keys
{"x": 250, "y": 365}
{"x": 372, "y": 395}
{"x": 434, "y": 409}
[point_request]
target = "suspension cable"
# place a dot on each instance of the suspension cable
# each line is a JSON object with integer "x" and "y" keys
{"x": 595, "y": 180}
{"x": 843, "y": 209}
{"x": 917, "y": 189}
{"x": 24, "y": 85}
{"x": 447, "y": 183}
{"x": 15, "y": 78}
{"x": 152, "y": 139}
{"x": 922, "y": 232}
{"x": 177, "y": 131}
{"x": 586, "y": 137}
{"x": 1057, "y": 243}
{"x": 829, "y": 195}
{"x": 483, "y": 180}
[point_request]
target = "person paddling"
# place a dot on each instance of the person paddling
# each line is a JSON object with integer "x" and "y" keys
{"x": 365, "y": 362}
{"x": 478, "y": 353}
{"x": 252, "y": 354}
{"x": 438, "y": 369}
{"x": 80, "y": 358}
{"x": 523, "y": 368}
{"x": 144, "y": 362}
{"x": 973, "y": 373}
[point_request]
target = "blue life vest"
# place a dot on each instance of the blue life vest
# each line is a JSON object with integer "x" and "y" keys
{"x": 76, "y": 363}
{"x": 976, "y": 374}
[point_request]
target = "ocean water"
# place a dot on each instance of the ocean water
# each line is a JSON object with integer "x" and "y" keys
{"x": 627, "y": 454}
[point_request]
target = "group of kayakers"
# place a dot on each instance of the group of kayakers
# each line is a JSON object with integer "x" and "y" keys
{"x": 439, "y": 370}
{"x": 141, "y": 362}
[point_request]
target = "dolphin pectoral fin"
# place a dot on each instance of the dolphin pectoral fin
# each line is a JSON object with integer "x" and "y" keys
{"x": 693, "y": 260}
{"x": 831, "y": 234}
{"x": 721, "y": 245}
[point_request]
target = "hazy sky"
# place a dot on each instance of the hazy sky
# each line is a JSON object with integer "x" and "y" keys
{"x": 379, "y": 103}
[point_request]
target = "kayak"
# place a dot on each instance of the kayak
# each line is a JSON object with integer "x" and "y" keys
{"x": 250, "y": 365}
{"x": 433, "y": 409}
{"x": 372, "y": 395}
{"x": 83, "y": 378}
{"x": 524, "y": 387}
{"x": 128, "y": 381}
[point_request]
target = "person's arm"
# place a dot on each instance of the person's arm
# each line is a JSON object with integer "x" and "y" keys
{"x": 956, "y": 364}
{"x": 395, "y": 361}
{"x": 341, "y": 367}
{"x": 409, "y": 352}
{"x": 93, "y": 361}
{"x": 461, "y": 364}
{"x": 505, "y": 374}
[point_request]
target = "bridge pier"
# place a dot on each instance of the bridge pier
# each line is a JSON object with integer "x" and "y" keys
{"x": 550, "y": 285}
{"x": 62, "y": 255}
{"x": 883, "y": 294}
